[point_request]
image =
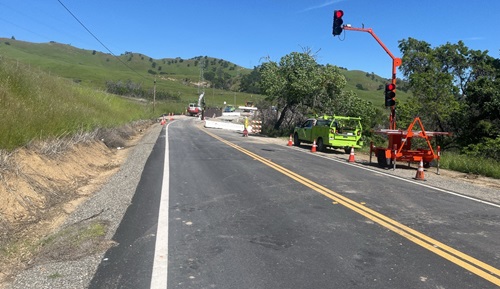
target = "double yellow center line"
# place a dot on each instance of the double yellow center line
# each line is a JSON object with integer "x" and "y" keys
{"x": 461, "y": 259}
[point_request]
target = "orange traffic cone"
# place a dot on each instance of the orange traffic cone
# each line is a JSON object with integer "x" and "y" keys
{"x": 313, "y": 148}
{"x": 351, "y": 156}
{"x": 420, "y": 171}
{"x": 290, "y": 141}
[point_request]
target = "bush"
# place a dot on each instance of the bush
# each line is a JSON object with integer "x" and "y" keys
{"x": 488, "y": 148}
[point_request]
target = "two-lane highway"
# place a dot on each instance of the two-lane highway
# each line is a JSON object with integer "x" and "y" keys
{"x": 237, "y": 212}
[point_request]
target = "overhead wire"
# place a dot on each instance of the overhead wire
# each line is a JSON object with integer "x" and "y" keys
{"x": 98, "y": 40}
{"x": 22, "y": 28}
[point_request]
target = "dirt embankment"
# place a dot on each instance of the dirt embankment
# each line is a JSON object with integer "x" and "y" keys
{"x": 38, "y": 191}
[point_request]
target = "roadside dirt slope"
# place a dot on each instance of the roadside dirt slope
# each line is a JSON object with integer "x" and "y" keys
{"x": 38, "y": 192}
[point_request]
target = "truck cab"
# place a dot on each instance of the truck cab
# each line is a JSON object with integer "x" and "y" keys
{"x": 305, "y": 131}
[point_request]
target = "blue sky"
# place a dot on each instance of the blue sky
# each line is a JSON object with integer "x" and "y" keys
{"x": 246, "y": 32}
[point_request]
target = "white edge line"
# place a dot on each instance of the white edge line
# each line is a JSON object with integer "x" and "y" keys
{"x": 159, "y": 275}
{"x": 410, "y": 181}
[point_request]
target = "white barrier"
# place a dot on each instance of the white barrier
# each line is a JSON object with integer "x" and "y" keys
{"x": 235, "y": 114}
{"x": 224, "y": 125}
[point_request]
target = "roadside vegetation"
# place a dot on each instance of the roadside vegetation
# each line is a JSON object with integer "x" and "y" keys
{"x": 471, "y": 165}
{"x": 36, "y": 106}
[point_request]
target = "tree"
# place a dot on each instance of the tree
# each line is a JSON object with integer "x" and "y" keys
{"x": 454, "y": 89}
{"x": 250, "y": 82}
{"x": 209, "y": 75}
{"x": 435, "y": 96}
{"x": 297, "y": 81}
{"x": 483, "y": 105}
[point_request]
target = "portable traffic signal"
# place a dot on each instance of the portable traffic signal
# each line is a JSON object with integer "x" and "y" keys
{"x": 390, "y": 94}
{"x": 337, "y": 22}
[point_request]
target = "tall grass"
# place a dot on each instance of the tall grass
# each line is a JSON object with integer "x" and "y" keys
{"x": 471, "y": 165}
{"x": 35, "y": 105}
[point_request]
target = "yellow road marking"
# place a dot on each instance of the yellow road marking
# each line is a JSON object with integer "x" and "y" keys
{"x": 459, "y": 258}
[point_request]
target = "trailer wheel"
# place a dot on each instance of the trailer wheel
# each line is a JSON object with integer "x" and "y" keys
{"x": 296, "y": 140}
{"x": 381, "y": 159}
{"x": 427, "y": 165}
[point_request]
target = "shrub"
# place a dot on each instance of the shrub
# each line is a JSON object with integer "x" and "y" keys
{"x": 488, "y": 148}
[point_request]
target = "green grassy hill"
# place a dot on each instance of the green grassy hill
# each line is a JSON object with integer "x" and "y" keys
{"x": 93, "y": 69}
{"x": 177, "y": 76}
{"x": 370, "y": 87}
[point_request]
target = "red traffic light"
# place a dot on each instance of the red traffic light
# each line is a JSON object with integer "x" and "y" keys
{"x": 390, "y": 94}
{"x": 337, "y": 22}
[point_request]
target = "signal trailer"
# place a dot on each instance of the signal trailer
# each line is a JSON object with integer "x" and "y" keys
{"x": 400, "y": 148}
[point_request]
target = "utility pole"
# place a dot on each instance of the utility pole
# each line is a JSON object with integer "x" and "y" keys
{"x": 154, "y": 95}
{"x": 201, "y": 79}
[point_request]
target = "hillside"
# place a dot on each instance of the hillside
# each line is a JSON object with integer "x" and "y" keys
{"x": 176, "y": 76}
{"x": 370, "y": 87}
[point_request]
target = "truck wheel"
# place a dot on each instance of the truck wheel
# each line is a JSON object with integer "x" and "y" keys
{"x": 347, "y": 150}
{"x": 321, "y": 145}
{"x": 296, "y": 140}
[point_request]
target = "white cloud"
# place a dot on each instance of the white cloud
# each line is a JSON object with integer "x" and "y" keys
{"x": 327, "y": 3}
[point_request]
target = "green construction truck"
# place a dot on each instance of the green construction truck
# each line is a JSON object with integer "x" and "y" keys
{"x": 339, "y": 132}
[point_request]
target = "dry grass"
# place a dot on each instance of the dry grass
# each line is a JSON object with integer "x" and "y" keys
{"x": 6, "y": 162}
{"x": 53, "y": 147}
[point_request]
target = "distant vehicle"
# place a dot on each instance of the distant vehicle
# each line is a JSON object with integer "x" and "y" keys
{"x": 229, "y": 108}
{"x": 195, "y": 109}
{"x": 332, "y": 131}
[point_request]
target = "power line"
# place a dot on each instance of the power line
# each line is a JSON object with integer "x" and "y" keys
{"x": 95, "y": 37}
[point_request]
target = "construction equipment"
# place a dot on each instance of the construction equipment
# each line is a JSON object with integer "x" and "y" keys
{"x": 400, "y": 143}
{"x": 420, "y": 172}
{"x": 351, "y": 156}
{"x": 195, "y": 109}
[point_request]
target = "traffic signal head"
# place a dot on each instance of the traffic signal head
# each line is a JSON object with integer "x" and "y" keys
{"x": 390, "y": 94}
{"x": 337, "y": 22}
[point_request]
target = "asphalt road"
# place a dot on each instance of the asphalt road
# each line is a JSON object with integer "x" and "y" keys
{"x": 242, "y": 213}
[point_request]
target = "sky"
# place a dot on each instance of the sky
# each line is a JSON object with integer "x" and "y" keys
{"x": 249, "y": 33}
